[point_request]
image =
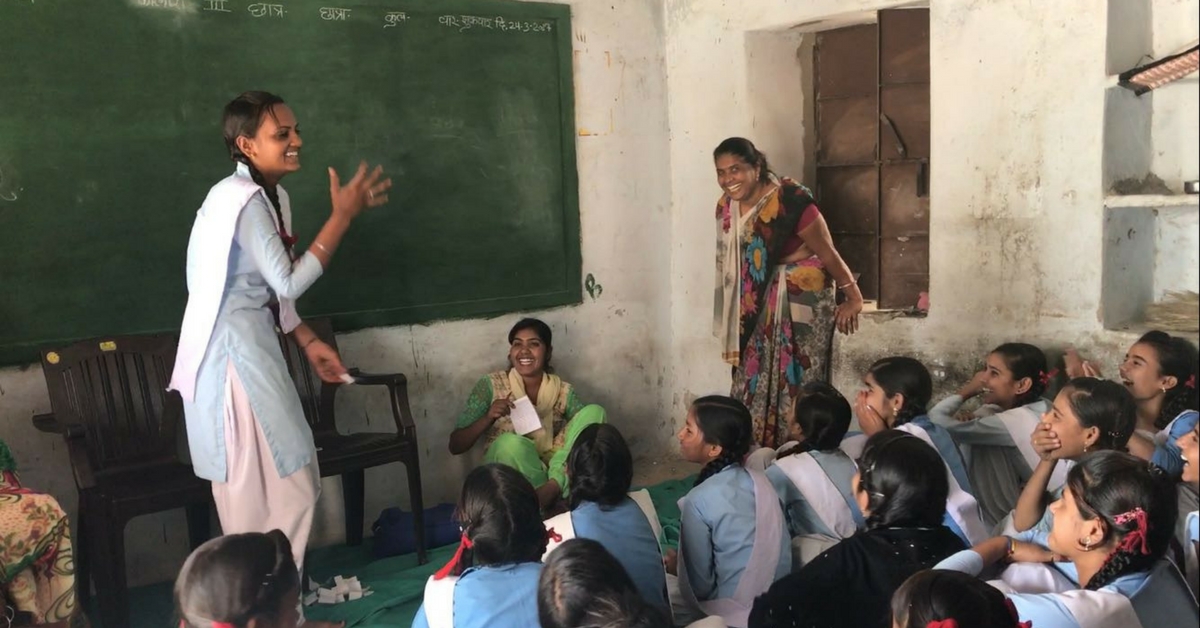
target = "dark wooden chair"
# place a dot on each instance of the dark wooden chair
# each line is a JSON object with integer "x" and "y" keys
{"x": 349, "y": 455}
{"x": 109, "y": 402}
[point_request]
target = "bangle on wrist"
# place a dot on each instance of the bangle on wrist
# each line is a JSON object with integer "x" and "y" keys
{"x": 310, "y": 341}
{"x": 322, "y": 247}
{"x": 848, "y": 285}
{"x": 1012, "y": 547}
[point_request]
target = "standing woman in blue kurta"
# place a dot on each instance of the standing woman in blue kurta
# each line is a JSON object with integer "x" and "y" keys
{"x": 246, "y": 428}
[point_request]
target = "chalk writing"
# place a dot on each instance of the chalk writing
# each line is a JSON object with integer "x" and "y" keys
{"x": 219, "y": 6}
{"x": 393, "y": 18}
{"x": 334, "y": 14}
{"x": 263, "y": 9}
{"x": 467, "y": 22}
{"x": 175, "y": 5}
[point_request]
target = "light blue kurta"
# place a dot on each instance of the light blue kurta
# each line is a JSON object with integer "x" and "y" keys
{"x": 626, "y": 533}
{"x": 802, "y": 519}
{"x": 499, "y": 596}
{"x": 1167, "y": 455}
{"x": 244, "y": 333}
{"x": 717, "y": 527}
{"x": 1156, "y": 597}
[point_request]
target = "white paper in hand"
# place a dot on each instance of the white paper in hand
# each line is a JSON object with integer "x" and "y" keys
{"x": 347, "y": 378}
{"x": 525, "y": 418}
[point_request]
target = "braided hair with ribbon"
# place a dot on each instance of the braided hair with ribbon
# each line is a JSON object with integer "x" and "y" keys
{"x": 726, "y": 422}
{"x": 501, "y": 521}
{"x": 1136, "y": 505}
{"x": 935, "y": 598}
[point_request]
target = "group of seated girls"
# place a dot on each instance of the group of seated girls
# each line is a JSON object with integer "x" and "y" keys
{"x": 1075, "y": 512}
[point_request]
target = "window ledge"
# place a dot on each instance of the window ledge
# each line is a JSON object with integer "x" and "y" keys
{"x": 1139, "y": 201}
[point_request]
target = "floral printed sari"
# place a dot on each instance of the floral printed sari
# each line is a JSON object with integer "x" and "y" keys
{"x": 37, "y": 571}
{"x": 776, "y": 320}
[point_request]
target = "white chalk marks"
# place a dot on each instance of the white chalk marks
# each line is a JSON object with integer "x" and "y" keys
{"x": 467, "y": 22}
{"x": 263, "y": 9}
{"x": 8, "y": 183}
{"x": 219, "y": 6}
{"x": 334, "y": 14}
{"x": 392, "y": 19}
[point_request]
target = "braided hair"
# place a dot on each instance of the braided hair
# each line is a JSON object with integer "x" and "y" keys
{"x": 242, "y": 117}
{"x": 1105, "y": 405}
{"x": 934, "y": 595}
{"x": 1114, "y": 487}
{"x": 1025, "y": 361}
{"x": 823, "y": 415}
{"x": 1176, "y": 358}
{"x": 723, "y": 421}
{"x": 235, "y": 578}
{"x": 500, "y": 516}
{"x": 907, "y": 377}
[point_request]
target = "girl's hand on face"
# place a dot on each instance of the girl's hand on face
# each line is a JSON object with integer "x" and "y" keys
{"x": 869, "y": 419}
{"x": 1045, "y": 441}
{"x": 975, "y": 386}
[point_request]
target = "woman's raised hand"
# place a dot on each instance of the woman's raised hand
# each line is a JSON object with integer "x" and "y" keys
{"x": 363, "y": 190}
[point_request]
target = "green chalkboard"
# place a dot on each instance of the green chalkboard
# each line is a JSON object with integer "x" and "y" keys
{"x": 110, "y": 138}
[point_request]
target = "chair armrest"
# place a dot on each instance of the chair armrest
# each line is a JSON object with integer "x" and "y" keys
{"x": 49, "y": 424}
{"x": 373, "y": 379}
{"x": 397, "y": 385}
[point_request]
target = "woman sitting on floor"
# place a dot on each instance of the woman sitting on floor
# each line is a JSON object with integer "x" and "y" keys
{"x": 540, "y": 455}
{"x": 37, "y": 566}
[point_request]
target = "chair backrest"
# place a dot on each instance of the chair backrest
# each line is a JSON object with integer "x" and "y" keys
{"x": 318, "y": 410}
{"x": 116, "y": 389}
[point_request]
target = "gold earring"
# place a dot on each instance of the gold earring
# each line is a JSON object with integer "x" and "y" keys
{"x": 1087, "y": 544}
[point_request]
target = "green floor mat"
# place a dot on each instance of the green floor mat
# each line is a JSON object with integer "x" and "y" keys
{"x": 398, "y": 582}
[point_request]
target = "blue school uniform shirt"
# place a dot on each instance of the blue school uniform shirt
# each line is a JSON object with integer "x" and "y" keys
{"x": 244, "y": 334}
{"x": 802, "y": 519}
{"x": 495, "y": 596}
{"x": 1167, "y": 455}
{"x": 1155, "y": 599}
{"x": 625, "y": 532}
{"x": 717, "y": 526}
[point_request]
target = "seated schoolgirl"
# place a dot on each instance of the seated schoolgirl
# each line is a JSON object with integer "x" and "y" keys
{"x": 951, "y": 599}
{"x": 1159, "y": 370}
{"x": 584, "y": 586}
{"x": 1113, "y": 524}
{"x": 599, "y": 473}
{"x": 813, "y": 478}
{"x": 733, "y": 540}
{"x": 895, "y": 394}
{"x": 492, "y": 580}
{"x": 1188, "y": 534}
{"x": 901, "y": 489}
{"x": 995, "y": 440}
{"x": 241, "y": 581}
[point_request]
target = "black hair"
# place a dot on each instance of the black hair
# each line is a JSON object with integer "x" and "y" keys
{"x": 908, "y": 377}
{"x": 543, "y": 333}
{"x": 1105, "y": 405}
{"x": 1176, "y": 358}
{"x": 583, "y": 586}
{"x": 599, "y": 467}
{"x": 823, "y": 415}
{"x": 241, "y": 118}
{"x": 723, "y": 421}
{"x": 905, "y": 481}
{"x": 235, "y": 578}
{"x": 1107, "y": 484}
{"x": 932, "y": 595}
{"x": 500, "y": 515}
{"x": 1025, "y": 361}
{"x": 745, "y": 150}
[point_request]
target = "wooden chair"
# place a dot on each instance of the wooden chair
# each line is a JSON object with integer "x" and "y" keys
{"x": 109, "y": 401}
{"x": 349, "y": 455}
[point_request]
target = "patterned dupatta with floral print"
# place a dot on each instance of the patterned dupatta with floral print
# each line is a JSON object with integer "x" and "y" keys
{"x": 749, "y": 248}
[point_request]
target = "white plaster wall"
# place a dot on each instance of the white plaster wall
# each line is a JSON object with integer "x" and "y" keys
{"x": 1176, "y": 122}
{"x": 1177, "y": 250}
{"x": 614, "y": 348}
{"x": 1018, "y": 96}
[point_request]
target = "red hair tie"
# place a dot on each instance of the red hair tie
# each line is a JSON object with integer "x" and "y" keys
{"x": 1012, "y": 610}
{"x": 1135, "y": 540}
{"x": 464, "y": 543}
{"x": 222, "y": 624}
{"x": 943, "y": 623}
{"x": 1045, "y": 376}
{"x": 551, "y": 535}
{"x": 1191, "y": 382}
